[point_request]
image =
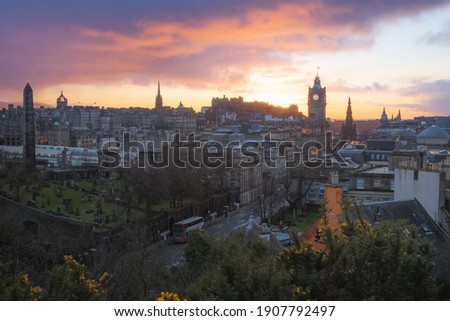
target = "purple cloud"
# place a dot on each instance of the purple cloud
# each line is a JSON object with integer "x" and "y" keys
{"x": 198, "y": 43}
{"x": 432, "y": 96}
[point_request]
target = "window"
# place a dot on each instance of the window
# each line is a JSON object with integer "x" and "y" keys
{"x": 392, "y": 184}
{"x": 377, "y": 183}
{"x": 360, "y": 183}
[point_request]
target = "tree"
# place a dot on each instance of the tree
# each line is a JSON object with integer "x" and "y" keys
{"x": 297, "y": 185}
{"x": 199, "y": 249}
{"x": 385, "y": 262}
{"x": 238, "y": 269}
{"x": 212, "y": 180}
{"x": 182, "y": 183}
{"x": 149, "y": 185}
{"x": 23, "y": 253}
{"x": 388, "y": 261}
{"x": 124, "y": 183}
{"x": 16, "y": 177}
{"x": 271, "y": 200}
{"x": 70, "y": 281}
{"x": 16, "y": 286}
{"x": 137, "y": 274}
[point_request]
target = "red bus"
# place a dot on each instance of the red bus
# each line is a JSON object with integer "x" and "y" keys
{"x": 182, "y": 228}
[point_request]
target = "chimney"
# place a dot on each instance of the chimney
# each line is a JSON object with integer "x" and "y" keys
{"x": 334, "y": 178}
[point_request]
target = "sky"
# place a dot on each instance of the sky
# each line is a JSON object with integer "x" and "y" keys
{"x": 392, "y": 54}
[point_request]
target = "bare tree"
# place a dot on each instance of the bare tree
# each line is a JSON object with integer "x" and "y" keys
{"x": 212, "y": 180}
{"x": 272, "y": 198}
{"x": 137, "y": 274}
{"x": 149, "y": 185}
{"x": 16, "y": 177}
{"x": 182, "y": 183}
{"x": 297, "y": 185}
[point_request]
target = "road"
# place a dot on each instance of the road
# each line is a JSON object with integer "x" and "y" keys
{"x": 217, "y": 228}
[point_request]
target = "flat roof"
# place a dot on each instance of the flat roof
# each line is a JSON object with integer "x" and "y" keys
{"x": 378, "y": 170}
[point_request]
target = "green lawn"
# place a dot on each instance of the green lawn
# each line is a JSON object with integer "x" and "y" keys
{"x": 87, "y": 206}
{"x": 85, "y": 184}
{"x": 301, "y": 223}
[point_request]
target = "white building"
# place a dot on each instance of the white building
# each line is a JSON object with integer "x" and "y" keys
{"x": 425, "y": 185}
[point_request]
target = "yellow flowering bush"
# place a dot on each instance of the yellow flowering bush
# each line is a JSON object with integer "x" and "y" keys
{"x": 168, "y": 296}
{"x": 69, "y": 281}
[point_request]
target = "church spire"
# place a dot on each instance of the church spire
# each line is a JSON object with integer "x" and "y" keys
{"x": 158, "y": 101}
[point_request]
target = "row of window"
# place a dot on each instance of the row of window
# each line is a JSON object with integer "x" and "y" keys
{"x": 379, "y": 157}
{"x": 377, "y": 183}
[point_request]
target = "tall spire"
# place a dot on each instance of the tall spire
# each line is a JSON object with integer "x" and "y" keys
{"x": 349, "y": 109}
{"x": 29, "y": 133}
{"x": 349, "y": 128}
{"x": 158, "y": 101}
{"x": 317, "y": 84}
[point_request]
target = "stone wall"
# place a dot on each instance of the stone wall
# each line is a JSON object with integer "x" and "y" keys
{"x": 69, "y": 234}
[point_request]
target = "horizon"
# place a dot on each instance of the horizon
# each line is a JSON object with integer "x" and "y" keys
{"x": 378, "y": 53}
{"x": 47, "y": 105}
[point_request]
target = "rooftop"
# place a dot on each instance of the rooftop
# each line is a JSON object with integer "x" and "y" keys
{"x": 378, "y": 170}
{"x": 433, "y": 132}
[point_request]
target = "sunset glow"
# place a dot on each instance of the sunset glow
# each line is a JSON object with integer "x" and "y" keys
{"x": 381, "y": 53}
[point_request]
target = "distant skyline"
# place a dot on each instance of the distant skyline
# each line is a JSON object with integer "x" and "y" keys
{"x": 391, "y": 54}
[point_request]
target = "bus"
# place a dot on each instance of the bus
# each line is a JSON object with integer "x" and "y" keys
{"x": 182, "y": 228}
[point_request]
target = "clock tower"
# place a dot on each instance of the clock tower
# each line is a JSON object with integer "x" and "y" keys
{"x": 317, "y": 101}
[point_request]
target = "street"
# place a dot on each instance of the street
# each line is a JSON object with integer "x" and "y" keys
{"x": 218, "y": 228}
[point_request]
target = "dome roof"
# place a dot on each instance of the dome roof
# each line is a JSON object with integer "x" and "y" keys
{"x": 433, "y": 132}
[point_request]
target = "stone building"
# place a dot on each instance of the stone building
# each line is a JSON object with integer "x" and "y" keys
{"x": 433, "y": 136}
{"x": 12, "y": 126}
{"x": 371, "y": 185}
{"x": 317, "y": 102}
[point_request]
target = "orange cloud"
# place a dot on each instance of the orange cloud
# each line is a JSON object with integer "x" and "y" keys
{"x": 194, "y": 45}
{"x": 288, "y": 27}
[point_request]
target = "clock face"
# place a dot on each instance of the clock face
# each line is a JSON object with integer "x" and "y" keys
{"x": 315, "y": 97}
